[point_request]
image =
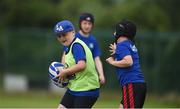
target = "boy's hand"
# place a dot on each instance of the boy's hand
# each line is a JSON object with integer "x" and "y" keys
{"x": 61, "y": 75}
{"x": 112, "y": 48}
{"x": 102, "y": 79}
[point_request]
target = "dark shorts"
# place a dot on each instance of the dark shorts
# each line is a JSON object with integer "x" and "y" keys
{"x": 134, "y": 95}
{"x": 71, "y": 101}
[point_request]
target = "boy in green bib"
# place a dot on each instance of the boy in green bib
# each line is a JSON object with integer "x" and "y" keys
{"x": 83, "y": 89}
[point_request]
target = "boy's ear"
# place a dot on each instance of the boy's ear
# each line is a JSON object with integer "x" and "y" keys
{"x": 73, "y": 32}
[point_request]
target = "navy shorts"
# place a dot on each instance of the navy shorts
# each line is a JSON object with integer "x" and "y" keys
{"x": 71, "y": 101}
{"x": 134, "y": 95}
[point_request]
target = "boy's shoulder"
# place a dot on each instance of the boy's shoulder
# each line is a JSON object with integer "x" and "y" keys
{"x": 91, "y": 36}
{"x": 124, "y": 43}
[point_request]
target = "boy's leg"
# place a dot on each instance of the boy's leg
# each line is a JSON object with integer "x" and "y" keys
{"x": 84, "y": 101}
{"x": 125, "y": 101}
{"x": 61, "y": 107}
{"x": 139, "y": 94}
{"x": 67, "y": 100}
{"x": 134, "y": 95}
{"x": 120, "y": 106}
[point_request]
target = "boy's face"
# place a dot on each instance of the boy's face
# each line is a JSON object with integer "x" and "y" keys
{"x": 86, "y": 26}
{"x": 66, "y": 38}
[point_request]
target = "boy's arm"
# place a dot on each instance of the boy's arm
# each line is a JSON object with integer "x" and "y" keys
{"x": 125, "y": 62}
{"x": 81, "y": 65}
{"x": 99, "y": 68}
{"x": 63, "y": 58}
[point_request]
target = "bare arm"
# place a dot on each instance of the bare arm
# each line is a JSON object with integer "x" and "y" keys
{"x": 63, "y": 58}
{"x": 81, "y": 65}
{"x": 125, "y": 62}
{"x": 99, "y": 68}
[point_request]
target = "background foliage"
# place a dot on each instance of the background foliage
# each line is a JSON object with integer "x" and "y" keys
{"x": 28, "y": 45}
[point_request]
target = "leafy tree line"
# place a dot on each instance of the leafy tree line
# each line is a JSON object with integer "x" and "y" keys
{"x": 155, "y": 15}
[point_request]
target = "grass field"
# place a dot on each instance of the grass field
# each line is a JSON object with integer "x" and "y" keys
{"x": 45, "y": 99}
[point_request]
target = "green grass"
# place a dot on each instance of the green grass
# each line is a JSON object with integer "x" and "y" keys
{"x": 44, "y": 99}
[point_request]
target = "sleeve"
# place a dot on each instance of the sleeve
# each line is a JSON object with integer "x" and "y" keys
{"x": 122, "y": 51}
{"x": 96, "y": 51}
{"x": 78, "y": 52}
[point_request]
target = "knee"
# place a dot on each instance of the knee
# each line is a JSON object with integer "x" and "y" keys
{"x": 120, "y": 106}
{"x": 61, "y": 107}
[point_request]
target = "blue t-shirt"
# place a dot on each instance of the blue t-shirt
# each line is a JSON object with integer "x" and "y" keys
{"x": 132, "y": 74}
{"x": 79, "y": 54}
{"x": 91, "y": 42}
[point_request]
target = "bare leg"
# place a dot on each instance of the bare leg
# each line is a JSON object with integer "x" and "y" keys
{"x": 120, "y": 106}
{"x": 61, "y": 107}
